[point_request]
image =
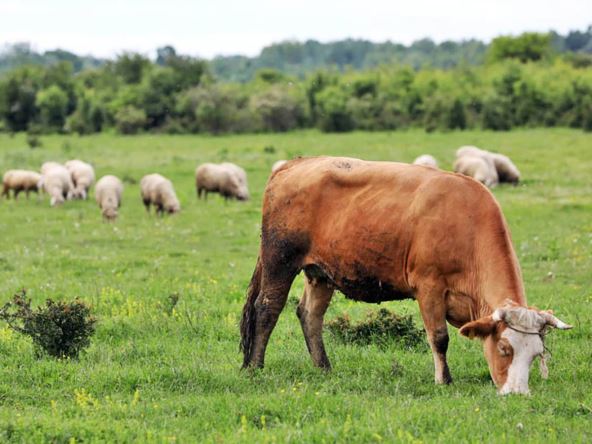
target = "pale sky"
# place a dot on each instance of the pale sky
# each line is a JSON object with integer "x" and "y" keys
{"x": 221, "y": 27}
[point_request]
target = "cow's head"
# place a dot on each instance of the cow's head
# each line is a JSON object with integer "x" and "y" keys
{"x": 512, "y": 337}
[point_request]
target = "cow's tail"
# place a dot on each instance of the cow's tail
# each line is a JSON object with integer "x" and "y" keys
{"x": 248, "y": 320}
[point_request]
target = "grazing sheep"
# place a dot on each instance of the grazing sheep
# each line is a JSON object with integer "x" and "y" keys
{"x": 227, "y": 179}
{"x": 277, "y": 165}
{"x": 426, "y": 160}
{"x": 57, "y": 183}
{"x": 470, "y": 150}
{"x": 506, "y": 170}
{"x": 478, "y": 168}
{"x": 20, "y": 180}
{"x": 83, "y": 176}
{"x": 49, "y": 165}
{"x": 158, "y": 191}
{"x": 108, "y": 191}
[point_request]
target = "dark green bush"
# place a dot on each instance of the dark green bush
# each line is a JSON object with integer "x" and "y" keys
{"x": 130, "y": 120}
{"x": 278, "y": 109}
{"x": 380, "y": 327}
{"x": 332, "y": 110}
{"x": 60, "y": 329}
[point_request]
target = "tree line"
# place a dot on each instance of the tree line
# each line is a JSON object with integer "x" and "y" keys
{"x": 521, "y": 81}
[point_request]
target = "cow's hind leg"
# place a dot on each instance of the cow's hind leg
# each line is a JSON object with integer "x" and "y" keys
{"x": 268, "y": 306}
{"x": 311, "y": 309}
{"x": 432, "y": 304}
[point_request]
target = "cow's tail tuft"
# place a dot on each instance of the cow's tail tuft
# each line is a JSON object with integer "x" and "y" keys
{"x": 248, "y": 320}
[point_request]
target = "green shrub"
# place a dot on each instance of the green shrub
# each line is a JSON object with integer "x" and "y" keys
{"x": 278, "y": 110}
{"x": 332, "y": 110}
{"x": 381, "y": 328}
{"x": 130, "y": 120}
{"x": 34, "y": 141}
{"x": 60, "y": 329}
{"x": 53, "y": 107}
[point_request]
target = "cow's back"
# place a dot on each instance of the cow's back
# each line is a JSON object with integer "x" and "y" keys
{"x": 373, "y": 225}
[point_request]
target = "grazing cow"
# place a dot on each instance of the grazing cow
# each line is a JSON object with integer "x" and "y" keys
{"x": 381, "y": 231}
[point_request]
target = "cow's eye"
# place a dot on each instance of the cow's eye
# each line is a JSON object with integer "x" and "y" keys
{"x": 504, "y": 348}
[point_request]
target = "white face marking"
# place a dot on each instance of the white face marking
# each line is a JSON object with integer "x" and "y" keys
{"x": 526, "y": 348}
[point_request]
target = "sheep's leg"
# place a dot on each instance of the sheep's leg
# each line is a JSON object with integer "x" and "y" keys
{"x": 311, "y": 309}
{"x": 432, "y": 305}
{"x": 6, "y": 192}
{"x": 199, "y": 192}
{"x": 16, "y": 193}
{"x": 147, "y": 205}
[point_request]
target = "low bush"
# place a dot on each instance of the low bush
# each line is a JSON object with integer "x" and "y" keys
{"x": 60, "y": 329}
{"x": 382, "y": 328}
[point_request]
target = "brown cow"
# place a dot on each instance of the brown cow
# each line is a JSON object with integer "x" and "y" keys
{"x": 381, "y": 231}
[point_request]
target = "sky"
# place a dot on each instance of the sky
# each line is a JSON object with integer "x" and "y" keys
{"x": 206, "y": 28}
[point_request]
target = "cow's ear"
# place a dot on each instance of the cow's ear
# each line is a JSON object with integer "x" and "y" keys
{"x": 481, "y": 328}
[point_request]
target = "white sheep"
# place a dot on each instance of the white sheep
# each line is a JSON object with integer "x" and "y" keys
{"x": 108, "y": 191}
{"x": 49, "y": 165}
{"x": 277, "y": 165}
{"x": 228, "y": 179}
{"x": 158, "y": 191}
{"x": 426, "y": 160}
{"x": 83, "y": 176}
{"x": 478, "y": 168}
{"x": 20, "y": 180}
{"x": 57, "y": 183}
{"x": 505, "y": 168}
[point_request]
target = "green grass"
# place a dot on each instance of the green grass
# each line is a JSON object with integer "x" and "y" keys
{"x": 153, "y": 377}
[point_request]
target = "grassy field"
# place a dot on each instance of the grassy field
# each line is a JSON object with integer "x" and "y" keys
{"x": 152, "y": 375}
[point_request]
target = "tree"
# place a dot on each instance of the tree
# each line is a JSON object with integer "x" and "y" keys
{"x": 130, "y": 120}
{"x": 527, "y": 47}
{"x": 17, "y": 102}
{"x": 131, "y": 67}
{"x": 53, "y": 106}
{"x": 164, "y": 53}
{"x": 278, "y": 109}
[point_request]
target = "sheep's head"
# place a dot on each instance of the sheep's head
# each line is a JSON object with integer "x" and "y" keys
{"x": 239, "y": 190}
{"x": 109, "y": 214}
{"x": 173, "y": 206}
{"x": 58, "y": 199}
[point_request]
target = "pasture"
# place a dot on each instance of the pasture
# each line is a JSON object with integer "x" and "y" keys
{"x": 158, "y": 373}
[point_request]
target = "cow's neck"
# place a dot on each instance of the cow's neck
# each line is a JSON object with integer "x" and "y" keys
{"x": 500, "y": 278}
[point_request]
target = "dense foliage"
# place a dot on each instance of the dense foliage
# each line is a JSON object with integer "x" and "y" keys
{"x": 523, "y": 81}
{"x": 60, "y": 329}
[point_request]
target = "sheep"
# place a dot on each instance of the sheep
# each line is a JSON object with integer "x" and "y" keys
{"x": 20, "y": 180}
{"x": 227, "y": 179}
{"x": 83, "y": 176}
{"x": 277, "y": 165}
{"x": 48, "y": 165}
{"x": 158, "y": 191}
{"x": 108, "y": 191}
{"x": 506, "y": 170}
{"x": 426, "y": 160}
{"x": 478, "y": 168}
{"x": 57, "y": 183}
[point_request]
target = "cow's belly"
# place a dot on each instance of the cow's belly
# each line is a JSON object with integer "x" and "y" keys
{"x": 363, "y": 287}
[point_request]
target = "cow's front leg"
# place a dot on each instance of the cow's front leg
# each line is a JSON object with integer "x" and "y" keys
{"x": 432, "y": 304}
{"x": 311, "y": 309}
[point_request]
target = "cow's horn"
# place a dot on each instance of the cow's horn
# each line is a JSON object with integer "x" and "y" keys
{"x": 554, "y": 322}
{"x": 499, "y": 314}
